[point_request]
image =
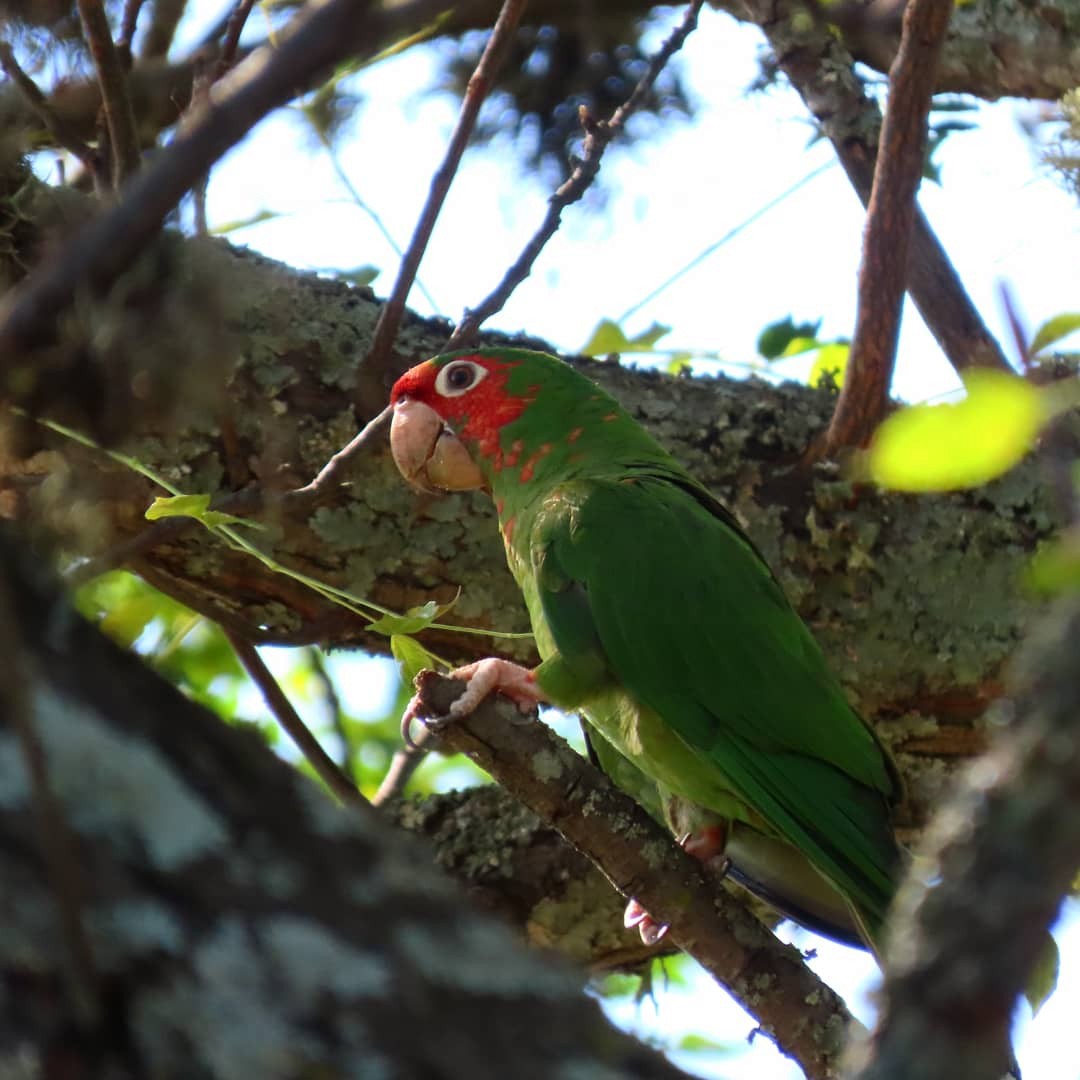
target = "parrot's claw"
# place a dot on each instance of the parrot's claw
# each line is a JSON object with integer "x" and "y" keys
{"x": 481, "y": 678}
{"x": 650, "y": 930}
{"x": 707, "y": 846}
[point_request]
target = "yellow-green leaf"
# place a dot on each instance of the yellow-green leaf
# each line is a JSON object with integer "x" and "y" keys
{"x": 411, "y": 655}
{"x": 961, "y": 445}
{"x": 125, "y": 621}
{"x": 1055, "y": 569}
{"x": 244, "y": 223}
{"x": 1043, "y": 980}
{"x": 832, "y": 359}
{"x": 414, "y": 620}
{"x": 194, "y": 506}
{"x": 1053, "y": 330}
{"x": 606, "y": 338}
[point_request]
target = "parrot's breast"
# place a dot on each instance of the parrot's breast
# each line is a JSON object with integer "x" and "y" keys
{"x": 642, "y": 737}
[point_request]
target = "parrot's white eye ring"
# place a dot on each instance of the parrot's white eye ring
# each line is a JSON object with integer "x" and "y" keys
{"x": 459, "y": 377}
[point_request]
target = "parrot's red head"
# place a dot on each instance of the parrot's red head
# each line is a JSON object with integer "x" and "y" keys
{"x": 512, "y": 421}
{"x": 448, "y": 416}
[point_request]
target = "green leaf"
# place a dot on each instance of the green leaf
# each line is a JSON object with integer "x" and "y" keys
{"x": 1053, "y": 330}
{"x": 961, "y": 445}
{"x": 411, "y": 655}
{"x": 194, "y": 506}
{"x": 695, "y": 1043}
{"x": 647, "y": 339}
{"x": 125, "y": 621}
{"x": 832, "y": 359}
{"x": 774, "y": 340}
{"x": 1055, "y": 568}
{"x": 359, "y": 275}
{"x": 608, "y": 337}
{"x": 1043, "y": 980}
{"x": 245, "y": 223}
{"x": 679, "y": 363}
{"x": 414, "y": 620}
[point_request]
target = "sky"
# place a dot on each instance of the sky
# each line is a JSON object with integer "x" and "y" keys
{"x": 998, "y": 213}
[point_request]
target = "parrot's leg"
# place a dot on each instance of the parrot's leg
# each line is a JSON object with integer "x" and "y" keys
{"x": 705, "y": 845}
{"x": 482, "y": 678}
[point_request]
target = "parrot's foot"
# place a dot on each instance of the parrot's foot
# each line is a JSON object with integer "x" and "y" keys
{"x": 705, "y": 845}
{"x": 482, "y": 678}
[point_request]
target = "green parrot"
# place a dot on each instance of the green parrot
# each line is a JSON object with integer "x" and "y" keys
{"x": 702, "y": 692}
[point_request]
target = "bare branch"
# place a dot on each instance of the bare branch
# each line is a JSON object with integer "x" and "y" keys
{"x": 337, "y": 714}
{"x": 481, "y": 81}
{"x": 889, "y": 219}
{"x": 597, "y": 136}
{"x": 289, "y": 719}
{"x": 165, "y": 16}
{"x": 115, "y": 99}
{"x": 822, "y": 71}
{"x": 233, "y": 29}
{"x": 805, "y": 1017}
{"x": 65, "y": 138}
{"x": 128, "y": 21}
{"x": 402, "y": 765}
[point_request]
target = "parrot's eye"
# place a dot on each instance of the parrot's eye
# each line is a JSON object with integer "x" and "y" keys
{"x": 457, "y": 378}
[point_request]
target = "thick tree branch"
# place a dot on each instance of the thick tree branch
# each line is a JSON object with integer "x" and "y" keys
{"x": 890, "y": 215}
{"x": 1002, "y": 852}
{"x": 243, "y": 924}
{"x": 806, "y": 1018}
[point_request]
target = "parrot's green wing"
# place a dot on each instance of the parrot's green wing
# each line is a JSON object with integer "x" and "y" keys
{"x": 652, "y": 578}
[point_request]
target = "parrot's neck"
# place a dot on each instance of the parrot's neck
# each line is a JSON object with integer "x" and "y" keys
{"x": 584, "y": 438}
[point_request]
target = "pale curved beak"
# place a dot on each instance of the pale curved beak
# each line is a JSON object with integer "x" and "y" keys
{"x": 427, "y": 453}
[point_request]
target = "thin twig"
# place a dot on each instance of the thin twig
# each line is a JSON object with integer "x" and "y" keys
{"x": 363, "y": 207}
{"x": 115, "y": 100}
{"x": 330, "y": 473}
{"x": 481, "y": 81}
{"x": 337, "y": 713}
{"x": 279, "y": 704}
{"x": 889, "y": 219}
{"x": 57, "y": 842}
{"x": 402, "y": 766}
{"x": 165, "y": 16}
{"x": 233, "y": 29}
{"x": 730, "y": 235}
{"x": 598, "y": 133}
{"x": 56, "y": 126}
{"x": 106, "y": 245}
{"x": 807, "y": 1019}
{"x": 128, "y": 22}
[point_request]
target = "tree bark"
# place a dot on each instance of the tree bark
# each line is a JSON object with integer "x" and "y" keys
{"x": 180, "y": 903}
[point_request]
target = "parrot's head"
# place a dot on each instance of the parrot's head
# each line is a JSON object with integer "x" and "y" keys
{"x": 449, "y": 415}
{"x": 505, "y": 420}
